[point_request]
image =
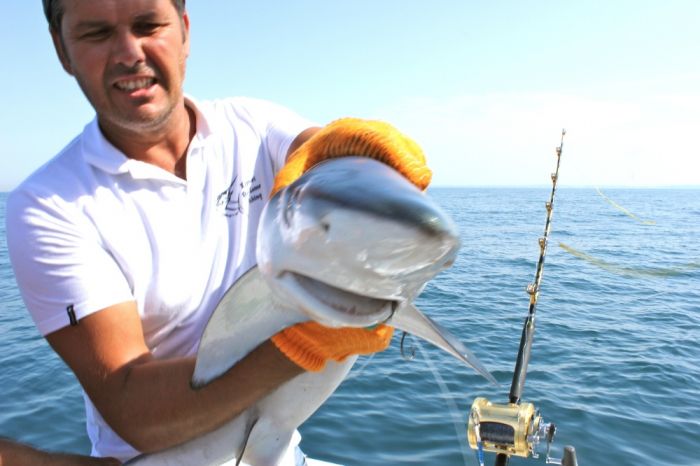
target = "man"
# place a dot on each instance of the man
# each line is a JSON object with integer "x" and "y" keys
{"x": 123, "y": 244}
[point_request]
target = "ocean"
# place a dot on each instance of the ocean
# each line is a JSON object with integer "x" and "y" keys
{"x": 615, "y": 360}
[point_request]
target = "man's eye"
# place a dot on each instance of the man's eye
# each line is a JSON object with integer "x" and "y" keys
{"x": 146, "y": 28}
{"x": 95, "y": 35}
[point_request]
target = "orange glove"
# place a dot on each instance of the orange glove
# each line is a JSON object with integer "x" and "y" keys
{"x": 310, "y": 344}
{"x": 353, "y": 136}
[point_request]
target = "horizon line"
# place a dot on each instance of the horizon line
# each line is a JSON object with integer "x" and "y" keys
{"x": 567, "y": 186}
{"x": 5, "y": 190}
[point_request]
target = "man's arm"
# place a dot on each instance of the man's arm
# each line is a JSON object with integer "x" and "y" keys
{"x": 17, "y": 454}
{"x": 149, "y": 402}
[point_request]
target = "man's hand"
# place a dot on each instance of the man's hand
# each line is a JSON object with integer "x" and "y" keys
{"x": 365, "y": 138}
{"x": 310, "y": 345}
{"x": 17, "y": 454}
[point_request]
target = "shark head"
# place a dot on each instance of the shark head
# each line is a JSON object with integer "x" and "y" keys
{"x": 351, "y": 240}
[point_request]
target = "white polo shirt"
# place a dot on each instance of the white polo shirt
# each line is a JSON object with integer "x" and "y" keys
{"x": 93, "y": 228}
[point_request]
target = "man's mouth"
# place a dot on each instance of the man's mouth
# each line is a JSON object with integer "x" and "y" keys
{"x": 131, "y": 85}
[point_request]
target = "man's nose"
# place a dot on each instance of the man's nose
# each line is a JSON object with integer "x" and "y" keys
{"x": 128, "y": 49}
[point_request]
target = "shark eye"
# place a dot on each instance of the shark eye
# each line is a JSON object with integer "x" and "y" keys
{"x": 292, "y": 199}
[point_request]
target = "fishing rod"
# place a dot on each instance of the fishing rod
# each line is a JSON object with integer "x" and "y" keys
{"x": 521, "y": 362}
{"x": 516, "y": 428}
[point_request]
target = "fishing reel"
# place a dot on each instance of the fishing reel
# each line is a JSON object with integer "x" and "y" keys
{"x": 509, "y": 429}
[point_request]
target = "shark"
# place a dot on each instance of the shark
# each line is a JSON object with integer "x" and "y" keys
{"x": 349, "y": 243}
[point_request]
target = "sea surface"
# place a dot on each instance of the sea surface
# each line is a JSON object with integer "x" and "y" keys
{"x": 615, "y": 360}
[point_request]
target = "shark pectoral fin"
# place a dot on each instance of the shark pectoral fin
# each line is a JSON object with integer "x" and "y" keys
{"x": 245, "y": 317}
{"x": 411, "y": 320}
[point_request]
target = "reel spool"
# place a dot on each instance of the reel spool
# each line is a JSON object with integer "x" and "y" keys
{"x": 511, "y": 429}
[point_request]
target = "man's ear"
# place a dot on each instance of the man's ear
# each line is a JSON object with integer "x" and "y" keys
{"x": 61, "y": 51}
{"x": 186, "y": 32}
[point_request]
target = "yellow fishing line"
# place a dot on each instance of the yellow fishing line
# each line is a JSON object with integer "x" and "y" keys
{"x": 623, "y": 210}
{"x": 632, "y": 271}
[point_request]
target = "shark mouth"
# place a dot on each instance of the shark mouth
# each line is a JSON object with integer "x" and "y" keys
{"x": 335, "y": 306}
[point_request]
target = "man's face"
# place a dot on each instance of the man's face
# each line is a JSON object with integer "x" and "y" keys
{"x": 128, "y": 57}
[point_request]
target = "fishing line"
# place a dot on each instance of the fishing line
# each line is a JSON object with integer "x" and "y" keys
{"x": 358, "y": 372}
{"x": 447, "y": 395}
{"x": 623, "y": 210}
{"x": 632, "y": 271}
{"x": 449, "y": 401}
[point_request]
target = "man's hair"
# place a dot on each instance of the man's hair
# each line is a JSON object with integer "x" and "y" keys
{"x": 53, "y": 9}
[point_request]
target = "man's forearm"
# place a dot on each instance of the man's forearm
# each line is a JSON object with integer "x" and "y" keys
{"x": 157, "y": 395}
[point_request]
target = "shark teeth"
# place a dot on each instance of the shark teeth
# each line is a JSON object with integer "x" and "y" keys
{"x": 346, "y": 307}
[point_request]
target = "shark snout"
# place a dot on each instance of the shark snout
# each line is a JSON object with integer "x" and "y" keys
{"x": 378, "y": 233}
{"x": 357, "y": 226}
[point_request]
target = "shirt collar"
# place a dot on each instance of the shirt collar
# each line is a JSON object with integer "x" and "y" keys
{"x": 101, "y": 154}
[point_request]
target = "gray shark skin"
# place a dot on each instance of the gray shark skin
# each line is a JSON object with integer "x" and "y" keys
{"x": 350, "y": 243}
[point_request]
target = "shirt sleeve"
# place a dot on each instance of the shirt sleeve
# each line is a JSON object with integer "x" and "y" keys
{"x": 59, "y": 262}
{"x": 282, "y": 126}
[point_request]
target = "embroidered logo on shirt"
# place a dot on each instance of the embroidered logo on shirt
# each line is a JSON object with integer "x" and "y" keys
{"x": 236, "y": 199}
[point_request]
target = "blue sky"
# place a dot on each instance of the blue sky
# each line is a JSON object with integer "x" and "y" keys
{"x": 484, "y": 87}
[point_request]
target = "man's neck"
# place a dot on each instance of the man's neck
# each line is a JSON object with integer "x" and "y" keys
{"x": 164, "y": 147}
